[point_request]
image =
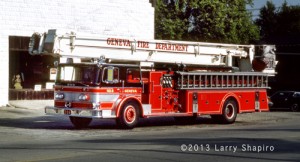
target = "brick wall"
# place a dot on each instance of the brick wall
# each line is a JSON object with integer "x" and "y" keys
{"x": 130, "y": 18}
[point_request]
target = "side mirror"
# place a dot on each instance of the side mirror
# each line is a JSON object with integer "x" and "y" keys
{"x": 55, "y": 63}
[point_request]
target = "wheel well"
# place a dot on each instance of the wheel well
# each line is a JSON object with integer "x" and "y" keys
{"x": 133, "y": 101}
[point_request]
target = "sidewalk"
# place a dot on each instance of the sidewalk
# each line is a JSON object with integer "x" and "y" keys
{"x": 31, "y": 104}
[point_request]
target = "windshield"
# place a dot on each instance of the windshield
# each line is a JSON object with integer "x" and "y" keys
{"x": 78, "y": 74}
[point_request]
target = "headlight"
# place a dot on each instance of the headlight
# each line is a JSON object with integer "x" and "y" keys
{"x": 59, "y": 96}
{"x": 83, "y": 97}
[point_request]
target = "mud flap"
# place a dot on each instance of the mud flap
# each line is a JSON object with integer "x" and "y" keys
{"x": 257, "y": 103}
{"x": 195, "y": 103}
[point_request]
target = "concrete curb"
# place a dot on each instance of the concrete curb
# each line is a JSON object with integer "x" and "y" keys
{"x": 31, "y": 104}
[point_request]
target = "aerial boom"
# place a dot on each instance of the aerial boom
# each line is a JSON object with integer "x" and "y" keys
{"x": 152, "y": 51}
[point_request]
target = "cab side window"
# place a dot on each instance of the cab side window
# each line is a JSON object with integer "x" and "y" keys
{"x": 133, "y": 75}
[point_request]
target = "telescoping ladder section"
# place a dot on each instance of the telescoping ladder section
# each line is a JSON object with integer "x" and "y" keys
{"x": 215, "y": 80}
{"x": 131, "y": 50}
{"x": 150, "y": 52}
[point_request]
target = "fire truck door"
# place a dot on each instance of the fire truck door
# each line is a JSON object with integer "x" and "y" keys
{"x": 155, "y": 88}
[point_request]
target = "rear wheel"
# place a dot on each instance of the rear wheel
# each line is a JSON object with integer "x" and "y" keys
{"x": 129, "y": 116}
{"x": 295, "y": 107}
{"x": 80, "y": 122}
{"x": 229, "y": 112}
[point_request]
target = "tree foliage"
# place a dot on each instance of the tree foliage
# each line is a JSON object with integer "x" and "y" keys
{"x": 225, "y": 21}
{"x": 267, "y": 20}
{"x": 280, "y": 26}
{"x": 170, "y": 19}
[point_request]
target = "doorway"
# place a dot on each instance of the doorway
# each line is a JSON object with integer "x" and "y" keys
{"x": 32, "y": 70}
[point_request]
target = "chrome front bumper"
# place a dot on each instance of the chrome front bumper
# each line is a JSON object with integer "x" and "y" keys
{"x": 50, "y": 110}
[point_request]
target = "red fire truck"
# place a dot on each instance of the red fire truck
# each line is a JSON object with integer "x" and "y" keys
{"x": 127, "y": 79}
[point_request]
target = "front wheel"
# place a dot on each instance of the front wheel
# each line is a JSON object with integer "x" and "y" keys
{"x": 229, "y": 111}
{"x": 80, "y": 122}
{"x": 295, "y": 107}
{"x": 129, "y": 116}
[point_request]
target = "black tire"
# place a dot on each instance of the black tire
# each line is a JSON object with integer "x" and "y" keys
{"x": 129, "y": 116}
{"x": 80, "y": 122}
{"x": 229, "y": 112}
{"x": 295, "y": 107}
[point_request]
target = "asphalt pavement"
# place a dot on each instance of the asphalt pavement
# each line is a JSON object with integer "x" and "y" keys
{"x": 27, "y": 134}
